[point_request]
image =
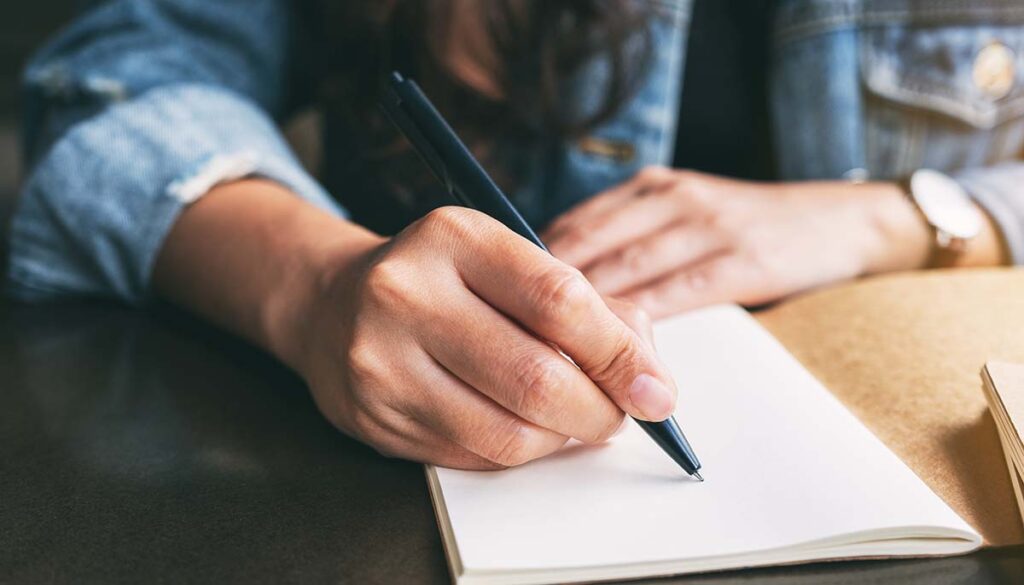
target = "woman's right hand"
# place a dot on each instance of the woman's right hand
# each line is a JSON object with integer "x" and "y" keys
{"x": 439, "y": 345}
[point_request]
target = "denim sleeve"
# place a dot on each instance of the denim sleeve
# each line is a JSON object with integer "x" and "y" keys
{"x": 135, "y": 111}
{"x": 1000, "y": 191}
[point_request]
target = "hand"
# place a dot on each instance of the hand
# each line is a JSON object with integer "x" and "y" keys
{"x": 439, "y": 345}
{"x": 672, "y": 240}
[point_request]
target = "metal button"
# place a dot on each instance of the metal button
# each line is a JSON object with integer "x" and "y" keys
{"x": 616, "y": 150}
{"x": 994, "y": 70}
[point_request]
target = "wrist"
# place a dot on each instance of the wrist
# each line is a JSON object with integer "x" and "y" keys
{"x": 326, "y": 252}
{"x": 901, "y": 238}
{"x": 253, "y": 257}
{"x": 906, "y": 240}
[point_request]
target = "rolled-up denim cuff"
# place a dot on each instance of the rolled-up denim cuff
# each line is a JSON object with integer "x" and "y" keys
{"x": 96, "y": 209}
{"x": 998, "y": 190}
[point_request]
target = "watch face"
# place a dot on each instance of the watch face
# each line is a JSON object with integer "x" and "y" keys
{"x": 945, "y": 203}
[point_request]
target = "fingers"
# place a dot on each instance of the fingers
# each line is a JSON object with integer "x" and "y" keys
{"x": 411, "y": 439}
{"x": 522, "y": 374}
{"x": 717, "y": 279}
{"x": 616, "y": 228}
{"x": 471, "y": 420}
{"x": 651, "y": 178}
{"x": 556, "y": 303}
{"x": 632, "y": 315}
{"x": 651, "y": 257}
{"x": 651, "y": 205}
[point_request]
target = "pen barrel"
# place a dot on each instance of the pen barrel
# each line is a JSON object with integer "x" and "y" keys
{"x": 670, "y": 438}
{"x": 457, "y": 168}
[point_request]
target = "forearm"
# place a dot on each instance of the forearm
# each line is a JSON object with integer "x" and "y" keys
{"x": 248, "y": 255}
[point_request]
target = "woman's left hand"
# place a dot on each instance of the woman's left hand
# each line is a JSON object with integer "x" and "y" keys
{"x": 672, "y": 240}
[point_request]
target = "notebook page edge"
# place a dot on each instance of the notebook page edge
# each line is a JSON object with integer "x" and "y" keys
{"x": 1004, "y": 421}
{"x": 1013, "y": 451}
{"x": 955, "y": 542}
{"x": 448, "y": 541}
{"x": 1013, "y": 465}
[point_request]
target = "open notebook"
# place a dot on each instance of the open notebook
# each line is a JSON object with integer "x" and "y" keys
{"x": 791, "y": 475}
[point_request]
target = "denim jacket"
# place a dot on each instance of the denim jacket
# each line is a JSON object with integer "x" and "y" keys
{"x": 141, "y": 106}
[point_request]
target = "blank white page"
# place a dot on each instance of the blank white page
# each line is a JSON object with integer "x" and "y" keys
{"x": 786, "y": 466}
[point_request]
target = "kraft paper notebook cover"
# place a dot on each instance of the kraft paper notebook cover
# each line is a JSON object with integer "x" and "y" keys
{"x": 793, "y": 476}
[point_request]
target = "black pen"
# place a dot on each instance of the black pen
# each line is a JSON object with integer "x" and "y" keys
{"x": 428, "y": 132}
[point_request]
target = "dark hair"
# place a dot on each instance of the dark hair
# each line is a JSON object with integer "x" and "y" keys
{"x": 534, "y": 49}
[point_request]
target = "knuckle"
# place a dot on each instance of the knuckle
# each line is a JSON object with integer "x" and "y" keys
{"x": 538, "y": 380}
{"x": 622, "y": 365}
{"x": 631, "y": 258}
{"x": 688, "y": 176}
{"x": 648, "y": 301}
{"x": 512, "y": 447}
{"x": 643, "y": 322}
{"x": 364, "y": 360}
{"x": 635, "y": 316}
{"x": 574, "y": 238}
{"x": 609, "y": 428}
{"x": 654, "y": 173}
{"x": 388, "y": 282}
{"x": 558, "y": 293}
{"x": 722, "y": 224}
{"x": 450, "y": 220}
{"x": 690, "y": 187}
{"x": 699, "y": 278}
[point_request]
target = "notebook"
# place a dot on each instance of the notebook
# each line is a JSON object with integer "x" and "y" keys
{"x": 1004, "y": 390}
{"x": 791, "y": 476}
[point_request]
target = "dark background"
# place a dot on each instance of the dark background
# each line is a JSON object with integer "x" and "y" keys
{"x": 23, "y": 27}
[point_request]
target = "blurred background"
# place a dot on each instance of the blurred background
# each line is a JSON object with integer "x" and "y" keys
{"x": 23, "y": 27}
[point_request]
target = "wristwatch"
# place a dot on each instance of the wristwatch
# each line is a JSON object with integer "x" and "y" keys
{"x": 948, "y": 209}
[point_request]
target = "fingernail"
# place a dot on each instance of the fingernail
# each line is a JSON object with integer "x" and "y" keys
{"x": 651, "y": 397}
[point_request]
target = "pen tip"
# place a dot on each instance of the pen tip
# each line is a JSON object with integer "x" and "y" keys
{"x": 698, "y": 476}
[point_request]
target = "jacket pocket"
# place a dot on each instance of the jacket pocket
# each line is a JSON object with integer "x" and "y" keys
{"x": 946, "y": 97}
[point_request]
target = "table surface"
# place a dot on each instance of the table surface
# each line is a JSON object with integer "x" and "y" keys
{"x": 145, "y": 446}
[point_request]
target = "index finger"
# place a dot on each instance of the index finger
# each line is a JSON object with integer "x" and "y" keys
{"x": 556, "y": 303}
{"x": 611, "y": 199}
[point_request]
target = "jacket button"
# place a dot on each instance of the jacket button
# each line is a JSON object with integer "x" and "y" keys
{"x": 994, "y": 70}
{"x": 619, "y": 151}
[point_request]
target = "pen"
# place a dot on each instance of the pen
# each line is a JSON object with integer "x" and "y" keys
{"x": 449, "y": 159}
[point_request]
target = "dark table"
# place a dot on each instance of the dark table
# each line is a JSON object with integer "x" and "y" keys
{"x": 145, "y": 446}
